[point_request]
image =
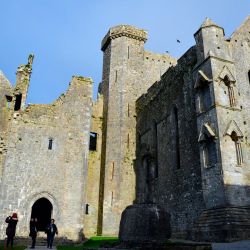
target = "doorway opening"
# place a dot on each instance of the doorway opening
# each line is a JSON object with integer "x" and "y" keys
{"x": 42, "y": 210}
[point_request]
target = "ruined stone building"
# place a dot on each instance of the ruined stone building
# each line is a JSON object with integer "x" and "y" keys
{"x": 166, "y": 131}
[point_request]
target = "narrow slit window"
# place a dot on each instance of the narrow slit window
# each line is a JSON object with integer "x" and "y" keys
{"x": 50, "y": 144}
{"x": 18, "y": 102}
{"x": 92, "y": 141}
{"x": 155, "y": 138}
{"x": 87, "y": 209}
{"x": 176, "y": 141}
{"x": 112, "y": 172}
{"x": 128, "y": 141}
{"x": 116, "y": 76}
{"x": 249, "y": 76}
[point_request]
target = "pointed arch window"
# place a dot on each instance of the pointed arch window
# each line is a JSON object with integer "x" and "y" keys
{"x": 238, "y": 148}
{"x": 203, "y": 90}
{"x": 208, "y": 146}
{"x": 236, "y": 135}
{"x": 230, "y": 88}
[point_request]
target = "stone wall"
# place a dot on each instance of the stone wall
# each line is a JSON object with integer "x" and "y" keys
{"x": 93, "y": 179}
{"x": 33, "y": 171}
{"x": 167, "y": 159}
{"x": 128, "y": 72}
{"x": 192, "y": 138}
{"x": 5, "y": 106}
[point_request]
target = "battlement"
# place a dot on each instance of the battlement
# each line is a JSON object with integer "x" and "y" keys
{"x": 124, "y": 30}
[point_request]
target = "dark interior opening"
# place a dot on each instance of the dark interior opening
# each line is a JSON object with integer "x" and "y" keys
{"x": 50, "y": 144}
{"x": 87, "y": 209}
{"x": 92, "y": 141}
{"x": 42, "y": 210}
{"x": 8, "y": 100}
{"x": 18, "y": 102}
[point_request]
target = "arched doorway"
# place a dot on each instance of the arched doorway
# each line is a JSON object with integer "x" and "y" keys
{"x": 42, "y": 210}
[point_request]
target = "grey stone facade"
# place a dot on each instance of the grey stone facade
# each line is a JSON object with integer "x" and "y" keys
{"x": 192, "y": 138}
{"x": 168, "y": 132}
{"x": 31, "y": 170}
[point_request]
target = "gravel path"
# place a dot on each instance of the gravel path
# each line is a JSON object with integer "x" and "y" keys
{"x": 239, "y": 245}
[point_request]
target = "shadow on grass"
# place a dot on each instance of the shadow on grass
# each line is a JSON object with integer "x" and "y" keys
{"x": 93, "y": 242}
{"x": 14, "y": 247}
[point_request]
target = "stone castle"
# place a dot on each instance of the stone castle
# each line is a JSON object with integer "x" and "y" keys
{"x": 162, "y": 131}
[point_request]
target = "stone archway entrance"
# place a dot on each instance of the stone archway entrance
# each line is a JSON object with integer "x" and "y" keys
{"x": 42, "y": 210}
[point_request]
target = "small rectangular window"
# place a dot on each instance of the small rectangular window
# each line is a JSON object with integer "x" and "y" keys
{"x": 92, "y": 141}
{"x": 50, "y": 144}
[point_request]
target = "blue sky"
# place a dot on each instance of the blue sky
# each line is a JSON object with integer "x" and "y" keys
{"x": 65, "y": 35}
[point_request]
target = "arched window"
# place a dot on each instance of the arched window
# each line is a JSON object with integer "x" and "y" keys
{"x": 209, "y": 153}
{"x": 208, "y": 145}
{"x": 176, "y": 138}
{"x": 230, "y": 91}
{"x": 204, "y": 97}
{"x": 202, "y": 85}
{"x": 238, "y": 148}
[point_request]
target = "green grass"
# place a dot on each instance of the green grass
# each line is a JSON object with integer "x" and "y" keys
{"x": 93, "y": 242}
{"x": 14, "y": 248}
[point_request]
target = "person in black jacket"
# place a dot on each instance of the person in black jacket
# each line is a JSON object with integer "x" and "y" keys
{"x": 11, "y": 228}
{"x": 33, "y": 231}
{"x": 51, "y": 230}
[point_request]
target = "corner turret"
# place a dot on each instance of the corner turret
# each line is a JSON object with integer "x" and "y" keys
{"x": 210, "y": 40}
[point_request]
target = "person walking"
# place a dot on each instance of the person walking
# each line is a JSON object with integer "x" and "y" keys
{"x": 11, "y": 229}
{"x": 33, "y": 231}
{"x": 51, "y": 230}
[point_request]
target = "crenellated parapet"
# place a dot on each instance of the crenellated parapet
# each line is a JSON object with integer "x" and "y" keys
{"x": 124, "y": 30}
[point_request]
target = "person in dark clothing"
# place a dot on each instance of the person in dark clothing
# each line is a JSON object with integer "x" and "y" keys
{"x": 51, "y": 230}
{"x": 33, "y": 231}
{"x": 11, "y": 229}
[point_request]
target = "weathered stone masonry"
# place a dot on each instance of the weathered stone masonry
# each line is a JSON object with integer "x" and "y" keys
{"x": 31, "y": 170}
{"x": 170, "y": 132}
{"x": 192, "y": 137}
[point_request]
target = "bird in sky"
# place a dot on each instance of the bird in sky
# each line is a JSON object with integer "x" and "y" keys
{"x": 178, "y": 41}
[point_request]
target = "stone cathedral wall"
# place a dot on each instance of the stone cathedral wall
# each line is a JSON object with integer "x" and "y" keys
{"x": 32, "y": 170}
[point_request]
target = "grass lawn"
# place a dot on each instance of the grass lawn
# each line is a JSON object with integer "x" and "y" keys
{"x": 93, "y": 242}
{"x": 14, "y": 248}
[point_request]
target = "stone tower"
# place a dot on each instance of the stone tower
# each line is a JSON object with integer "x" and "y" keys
{"x": 128, "y": 71}
{"x": 222, "y": 84}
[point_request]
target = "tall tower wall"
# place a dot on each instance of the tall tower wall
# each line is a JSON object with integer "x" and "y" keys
{"x": 128, "y": 72}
